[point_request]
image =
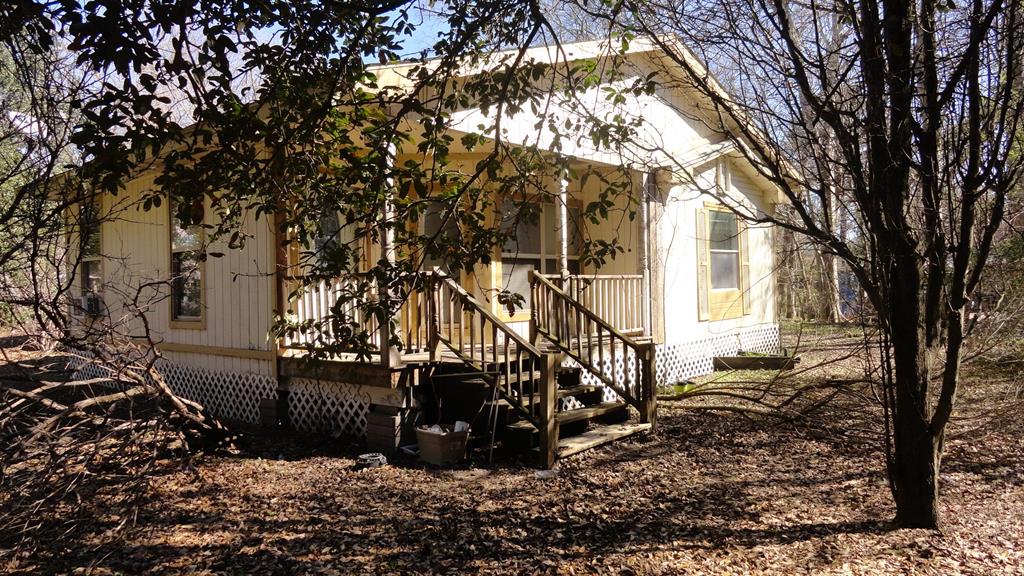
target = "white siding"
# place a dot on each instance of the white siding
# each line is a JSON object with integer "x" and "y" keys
{"x": 677, "y": 255}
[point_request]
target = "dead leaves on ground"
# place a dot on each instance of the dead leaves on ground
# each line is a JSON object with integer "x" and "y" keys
{"x": 711, "y": 494}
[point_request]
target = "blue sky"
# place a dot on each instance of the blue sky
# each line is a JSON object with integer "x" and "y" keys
{"x": 429, "y": 26}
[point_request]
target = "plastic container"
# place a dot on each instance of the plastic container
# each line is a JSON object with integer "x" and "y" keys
{"x": 371, "y": 460}
{"x": 444, "y": 446}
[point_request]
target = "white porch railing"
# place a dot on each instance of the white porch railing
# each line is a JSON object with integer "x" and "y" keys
{"x": 617, "y": 299}
{"x": 315, "y": 302}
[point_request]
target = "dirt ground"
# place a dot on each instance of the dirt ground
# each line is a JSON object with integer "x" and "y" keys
{"x": 710, "y": 493}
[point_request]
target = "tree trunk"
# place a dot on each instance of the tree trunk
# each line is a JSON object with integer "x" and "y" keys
{"x": 914, "y": 467}
{"x": 835, "y": 298}
{"x": 915, "y": 470}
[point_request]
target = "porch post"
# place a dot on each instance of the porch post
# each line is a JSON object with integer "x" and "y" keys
{"x": 548, "y": 411}
{"x": 563, "y": 226}
{"x": 390, "y": 356}
{"x": 649, "y": 192}
{"x": 649, "y": 385}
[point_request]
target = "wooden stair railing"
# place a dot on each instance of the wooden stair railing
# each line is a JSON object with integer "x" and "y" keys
{"x": 594, "y": 344}
{"x": 522, "y": 374}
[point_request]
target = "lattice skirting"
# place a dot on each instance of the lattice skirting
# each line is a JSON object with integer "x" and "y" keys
{"x": 677, "y": 362}
{"x": 619, "y": 365}
{"x": 225, "y": 394}
{"x": 229, "y": 394}
{"x": 82, "y": 368}
{"x": 322, "y": 406}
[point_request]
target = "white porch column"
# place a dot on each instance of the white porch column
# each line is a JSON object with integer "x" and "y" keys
{"x": 390, "y": 356}
{"x": 650, "y": 191}
{"x": 563, "y": 226}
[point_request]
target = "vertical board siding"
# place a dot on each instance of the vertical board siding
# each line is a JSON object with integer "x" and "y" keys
{"x": 223, "y": 363}
{"x": 238, "y": 287}
{"x": 618, "y": 227}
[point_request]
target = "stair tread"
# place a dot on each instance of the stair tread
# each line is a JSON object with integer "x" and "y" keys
{"x": 563, "y": 392}
{"x": 521, "y": 425}
{"x": 478, "y": 377}
{"x": 597, "y": 437}
{"x": 577, "y": 414}
{"x": 574, "y": 415}
{"x": 462, "y": 375}
{"x": 577, "y": 389}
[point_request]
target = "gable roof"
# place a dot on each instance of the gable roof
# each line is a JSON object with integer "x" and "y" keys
{"x": 400, "y": 75}
{"x": 527, "y": 128}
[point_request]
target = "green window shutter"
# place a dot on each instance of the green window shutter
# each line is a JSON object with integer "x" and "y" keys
{"x": 745, "y": 266}
{"x": 703, "y": 267}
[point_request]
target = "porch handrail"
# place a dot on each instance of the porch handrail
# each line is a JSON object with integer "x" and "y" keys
{"x": 578, "y": 332}
{"x": 481, "y": 340}
{"x": 616, "y": 298}
{"x": 596, "y": 276}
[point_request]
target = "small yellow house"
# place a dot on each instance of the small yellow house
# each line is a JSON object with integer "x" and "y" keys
{"x": 695, "y": 281}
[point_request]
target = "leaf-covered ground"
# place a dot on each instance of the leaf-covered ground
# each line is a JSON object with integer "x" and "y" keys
{"x": 715, "y": 493}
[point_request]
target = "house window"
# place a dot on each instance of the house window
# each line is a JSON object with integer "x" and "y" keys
{"x": 91, "y": 247}
{"x": 435, "y": 217}
{"x": 723, "y": 270}
{"x": 186, "y": 265}
{"x": 724, "y": 246}
{"x": 535, "y": 247}
{"x": 334, "y": 232}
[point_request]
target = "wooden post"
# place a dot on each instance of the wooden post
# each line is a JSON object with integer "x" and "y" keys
{"x": 432, "y": 287}
{"x": 534, "y": 304}
{"x": 650, "y": 191}
{"x": 390, "y": 356}
{"x": 563, "y": 226}
{"x": 548, "y": 410}
{"x": 649, "y": 414}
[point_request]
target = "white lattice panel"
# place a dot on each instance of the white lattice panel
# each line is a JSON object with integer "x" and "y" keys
{"x": 228, "y": 394}
{"x": 724, "y": 345}
{"x": 321, "y": 406}
{"x": 569, "y": 403}
{"x": 622, "y": 367}
{"x": 677, "y": 362}
{"x": 764, "y": 340}
{"x": 225, "y": 394}
{"x": 83, "y": 368}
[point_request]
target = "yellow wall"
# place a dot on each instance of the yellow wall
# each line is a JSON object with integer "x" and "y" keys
{"x": 239, "y": 288}
{"x": 617, "y": 226}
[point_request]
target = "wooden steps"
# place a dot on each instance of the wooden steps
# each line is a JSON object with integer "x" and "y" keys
{"x": 593, "y": 422}
{"x": 598, "y": 437}
{"x": 527, "y": 376}
{"x": 588, "y": 412}
{"x": 577, "y": 390}
{"x": 574, "y": 415}
{"x": 562, "y": 393}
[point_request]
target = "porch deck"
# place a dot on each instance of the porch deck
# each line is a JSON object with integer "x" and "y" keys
{"x": 619, "y": 300}
{"x": 440, "y": 324}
